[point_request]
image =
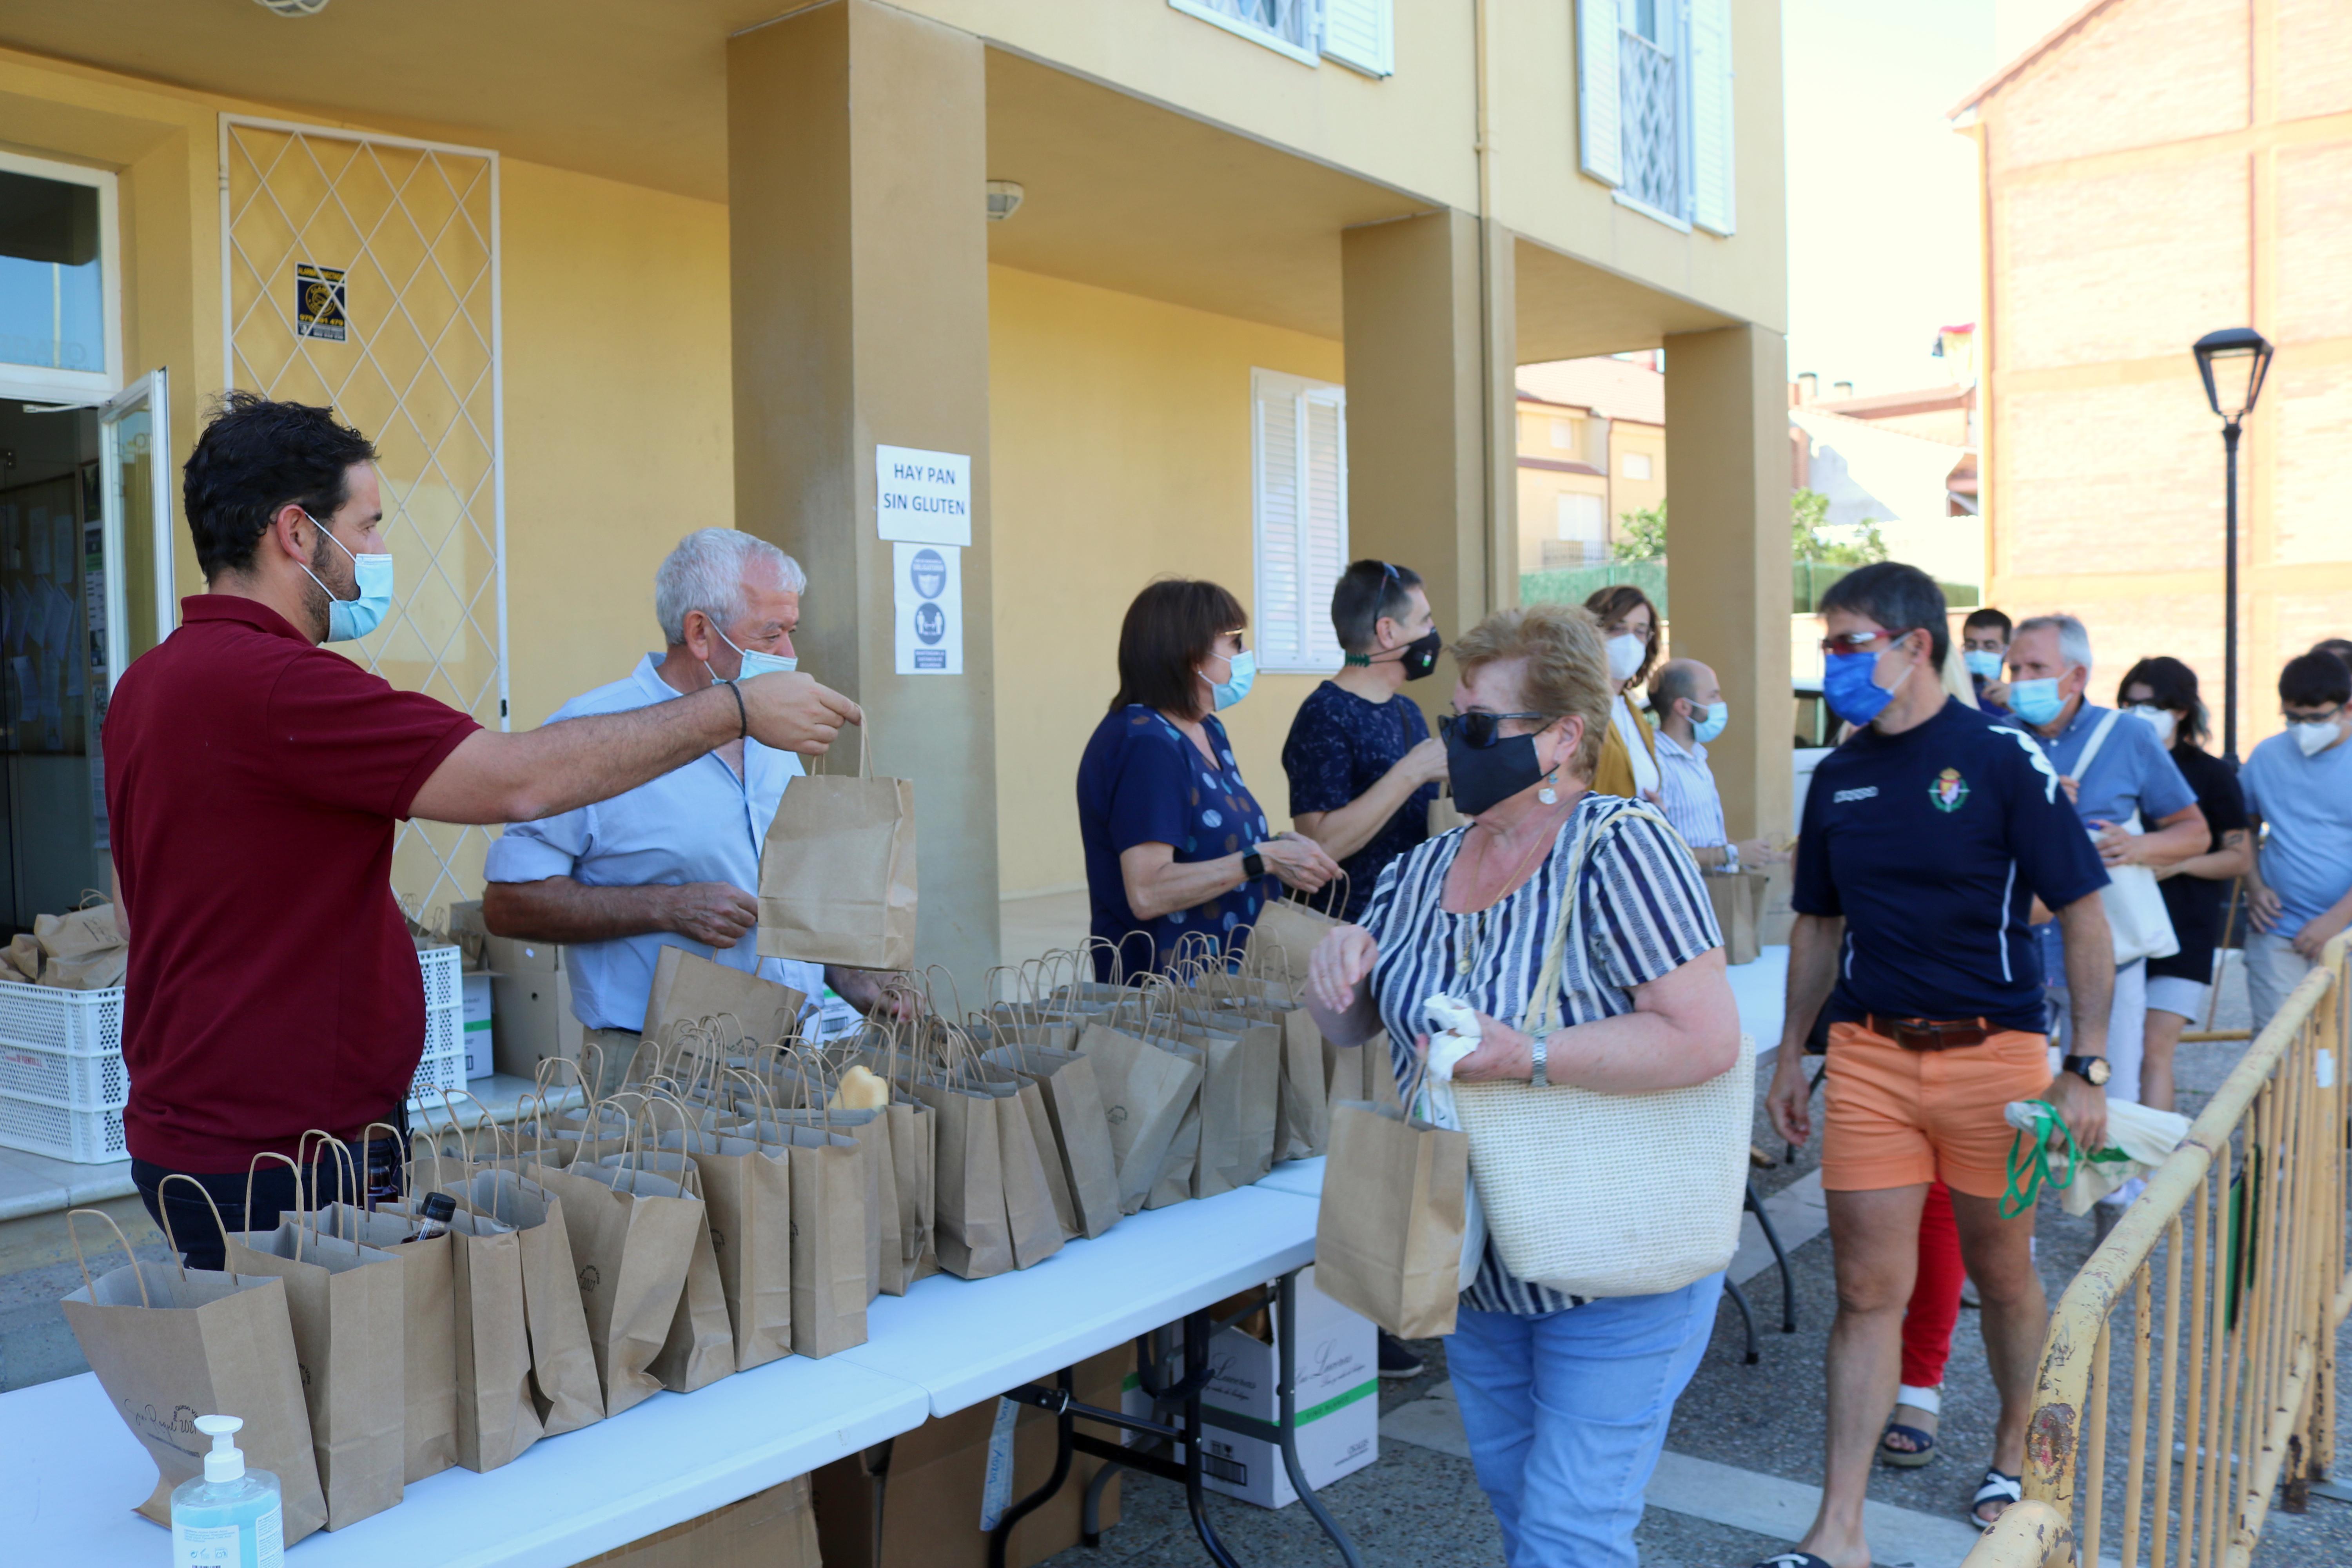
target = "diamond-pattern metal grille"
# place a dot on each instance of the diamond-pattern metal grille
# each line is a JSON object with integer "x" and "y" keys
{"x": 1650, "y": 118}
{"x": 413, "y": 229}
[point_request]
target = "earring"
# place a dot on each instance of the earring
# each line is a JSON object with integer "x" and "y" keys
{"x": 1547, "y": 795}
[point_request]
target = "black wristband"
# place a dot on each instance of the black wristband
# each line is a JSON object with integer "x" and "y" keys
{"x": 742, "y": 712}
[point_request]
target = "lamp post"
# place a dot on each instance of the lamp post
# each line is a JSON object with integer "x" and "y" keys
{"x": 2233, "y": 362}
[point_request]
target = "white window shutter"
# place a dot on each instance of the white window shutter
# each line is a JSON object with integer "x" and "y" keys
{"x": 1711, "y": 135}
{"x": 1323, "y": 534}
{"x": 1596, "y": 90}
{"x": 1361, "y": 34}
{"x": 1300, "y": 484}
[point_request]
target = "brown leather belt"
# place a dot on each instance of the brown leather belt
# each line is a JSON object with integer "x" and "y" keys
{"x": 1927, "y": 1035}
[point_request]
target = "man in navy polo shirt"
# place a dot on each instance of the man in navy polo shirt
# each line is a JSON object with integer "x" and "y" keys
{"x": 1927, "y": 837}
{"x": 254, "y": 783}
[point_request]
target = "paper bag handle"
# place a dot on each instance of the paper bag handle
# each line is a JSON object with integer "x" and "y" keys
{"x": 140, "y": 1274}
{"x": 252, "y": 1165}
{"x": 163, "y": 1211}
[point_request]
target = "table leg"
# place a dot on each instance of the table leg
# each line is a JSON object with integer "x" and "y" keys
{"x": 1286, "y": 1376}
{"x": 1196, "y": 1356}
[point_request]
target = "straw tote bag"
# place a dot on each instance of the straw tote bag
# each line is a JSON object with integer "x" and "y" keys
{"x": 1609, "y": 1195}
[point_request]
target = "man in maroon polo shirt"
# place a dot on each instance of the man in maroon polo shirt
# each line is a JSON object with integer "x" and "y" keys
{"x": 254, "y": 782}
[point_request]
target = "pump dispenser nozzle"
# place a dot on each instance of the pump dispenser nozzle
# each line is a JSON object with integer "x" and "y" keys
{"x": 227, "y": 1461}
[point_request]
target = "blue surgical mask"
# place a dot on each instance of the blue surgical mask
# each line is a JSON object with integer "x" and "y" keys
{"x": 1853, "y": 696}
{"x": 348, "y": 619}
{"x": 2036, "y": 701}
{"x": 758, "y": 663}
{"x": 1242, "y": 673}
{"x": 1983, "y": 663}
{"x": 1719, "y": 715}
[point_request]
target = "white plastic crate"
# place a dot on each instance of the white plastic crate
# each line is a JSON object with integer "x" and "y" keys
{"x": 84, "y": 1137}
{"x": 442, "y": 1067}
{"x": 62, "y": 1082}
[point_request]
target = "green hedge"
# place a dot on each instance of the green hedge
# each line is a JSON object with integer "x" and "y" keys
{"x": 1808, "y": 580}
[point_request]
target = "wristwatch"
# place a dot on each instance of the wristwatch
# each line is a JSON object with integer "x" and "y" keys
{"x": 1252, "y": 865}
{"x": 1536, "y": 1078}
{"x": 2093, "y": 1070}
{"x": 1731, "y": 858}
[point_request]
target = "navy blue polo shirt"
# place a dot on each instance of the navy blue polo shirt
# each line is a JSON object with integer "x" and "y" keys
{"x": 1932, "y": 845}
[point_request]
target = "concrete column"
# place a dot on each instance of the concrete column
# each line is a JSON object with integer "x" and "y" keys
{"x": 1727, "y": 567}
{"x": 1431, "y": 450}
{"x": 856, "y": 167}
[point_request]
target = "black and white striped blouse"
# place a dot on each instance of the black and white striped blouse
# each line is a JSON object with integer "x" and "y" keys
{"x": 1646, "y": 913}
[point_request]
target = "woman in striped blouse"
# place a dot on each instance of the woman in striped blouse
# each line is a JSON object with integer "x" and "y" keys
{"x": 1565, "y": 1400}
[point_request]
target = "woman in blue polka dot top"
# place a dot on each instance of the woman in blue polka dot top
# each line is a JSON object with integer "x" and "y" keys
{"x": 1179, "y": 855}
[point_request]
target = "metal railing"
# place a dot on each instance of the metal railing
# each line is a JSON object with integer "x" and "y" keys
{"x": 2199, "y": 1338}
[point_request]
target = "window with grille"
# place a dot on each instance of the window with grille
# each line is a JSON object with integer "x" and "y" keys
{"x": 1356, "y": 33}
{"x": 1300, "y": 484}
{"x": 1654, "y": 101}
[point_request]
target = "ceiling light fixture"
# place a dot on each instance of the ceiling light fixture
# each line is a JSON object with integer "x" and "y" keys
{"x": 292, "y": 7}
{"x": 1003, "y": 199}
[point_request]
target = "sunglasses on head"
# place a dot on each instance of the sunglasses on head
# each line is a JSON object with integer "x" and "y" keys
{"x": 1479, "y": 729}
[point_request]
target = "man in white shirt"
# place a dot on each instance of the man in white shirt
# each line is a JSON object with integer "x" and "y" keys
{"x": 1688, "y": 702}
{"x": 675, "y": 862}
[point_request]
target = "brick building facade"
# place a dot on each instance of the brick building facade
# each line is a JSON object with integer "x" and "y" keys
{"x": 2151, "y": 171}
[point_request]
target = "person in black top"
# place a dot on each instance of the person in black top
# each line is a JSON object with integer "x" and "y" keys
{"x": 1927, "y": 837}
{"x": 2163, "y": 691}
{"x": 1362, "y": 766}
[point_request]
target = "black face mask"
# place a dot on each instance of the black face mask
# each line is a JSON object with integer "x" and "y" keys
{"x": 1485, "y": 776}
{"x": 1419, "y": 655}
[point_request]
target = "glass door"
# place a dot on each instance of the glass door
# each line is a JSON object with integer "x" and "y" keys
{"x": 135, "y": 484}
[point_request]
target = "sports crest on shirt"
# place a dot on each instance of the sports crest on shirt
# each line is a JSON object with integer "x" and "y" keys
{"x": 1947, "y": 790}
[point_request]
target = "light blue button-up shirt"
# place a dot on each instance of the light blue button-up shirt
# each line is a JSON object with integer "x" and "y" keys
{"x": 697, "y": 824}
{"x": 2133, "y": 771}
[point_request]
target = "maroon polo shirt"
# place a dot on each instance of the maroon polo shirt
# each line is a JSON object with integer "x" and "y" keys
{"x": 254, "y": 782}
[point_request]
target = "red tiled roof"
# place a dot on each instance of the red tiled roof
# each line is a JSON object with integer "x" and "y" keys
{"x": 1561, "y": 466}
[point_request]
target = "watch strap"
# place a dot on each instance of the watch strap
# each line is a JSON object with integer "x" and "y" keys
{"x": 1536, "y": 1078}
{"x": 1252, "y": 865}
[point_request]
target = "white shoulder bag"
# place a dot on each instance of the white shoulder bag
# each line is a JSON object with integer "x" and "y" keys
{"x": 1609, "y": 1195}
{"x": 2136, "y": 918}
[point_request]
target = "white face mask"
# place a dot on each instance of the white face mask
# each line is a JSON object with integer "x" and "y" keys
{"x": 2159, "y": 720}
{"x": 2313, "y": 736}
{"x": 1625, "y": 654}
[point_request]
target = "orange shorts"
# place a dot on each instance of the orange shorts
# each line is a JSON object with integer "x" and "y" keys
{"x": 1899, "y": 1118}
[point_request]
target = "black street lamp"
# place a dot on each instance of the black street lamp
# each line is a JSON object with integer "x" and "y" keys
{"x": 2233, "y": 362}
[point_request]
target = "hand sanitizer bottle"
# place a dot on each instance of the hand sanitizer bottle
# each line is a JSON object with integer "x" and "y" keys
{"x": 230, "y": 1519}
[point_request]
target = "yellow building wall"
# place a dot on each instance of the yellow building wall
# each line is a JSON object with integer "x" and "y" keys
{"x": 619, "y": 418}
{"x": 1119, "y": 443}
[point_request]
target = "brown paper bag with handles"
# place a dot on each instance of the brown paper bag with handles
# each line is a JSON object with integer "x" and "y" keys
{"x": 345, "y": 1301}
{"x": 1223, "y": 1070}
{"x": 496, "y": 1417}
{"x": 828, "y": 1237}
{"x": 687, "y": 986}
{"x": 837, "y": 870}
{"x": 428, "y": 1340}
{"x": 807, "y": 1089}
{"x": 1077, "y": 1124}
{"x": 565, "y": 1389}
{"x": 699, "y": 1348}
{"x": 747, "y": 1194}
{"x": 1302, "y": 1125}
{"x": 988, "y": 1102}
{"x": 1150, "y": 1085}
{"x": 1289, "y": 928}
{"x": 1388, "y": 1237}
{"x": 170, "y": 1343}
{"x": 633, "y": 1249}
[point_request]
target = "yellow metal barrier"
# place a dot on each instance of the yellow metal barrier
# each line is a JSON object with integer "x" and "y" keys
{"x": 2225, "y": 1281}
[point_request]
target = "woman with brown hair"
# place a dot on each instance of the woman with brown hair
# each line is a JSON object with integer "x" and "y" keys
{"x": 1565, "y": 1399}
{"x": 1629, "y": 750}
{"x": 1179, "y": 855}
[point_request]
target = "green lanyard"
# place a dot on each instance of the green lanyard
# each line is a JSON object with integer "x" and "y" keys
{"x": 2027, "y": 1168}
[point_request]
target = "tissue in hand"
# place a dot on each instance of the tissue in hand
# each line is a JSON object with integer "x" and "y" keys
{"x": 1453, "y": 1030}
{"x": 1453, "y": 1034}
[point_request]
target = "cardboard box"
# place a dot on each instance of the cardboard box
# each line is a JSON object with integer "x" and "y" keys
{"x": 914, "y": 1502}
{"x": 477, "y": 1026}
{"x": 1338, "y": 1402}
{"x": 773, "y": 1529}
{"x": 531, "y": 997}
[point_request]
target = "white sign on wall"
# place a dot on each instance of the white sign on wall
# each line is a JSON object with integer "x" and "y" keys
{"x": 927, "y": 588}
{"x": 923, "y": 497}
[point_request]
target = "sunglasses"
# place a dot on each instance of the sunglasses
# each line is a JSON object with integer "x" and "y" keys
{"x": 1479, "y": 729}
{"x": 1863, "y": 642}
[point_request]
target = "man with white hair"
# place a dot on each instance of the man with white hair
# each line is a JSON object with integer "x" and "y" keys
{"x": 675, "y": 862}
{"x": 2121, "y": 777}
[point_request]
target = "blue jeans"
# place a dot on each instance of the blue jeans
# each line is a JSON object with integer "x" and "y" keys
{"x": 1567, "y": 1412}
